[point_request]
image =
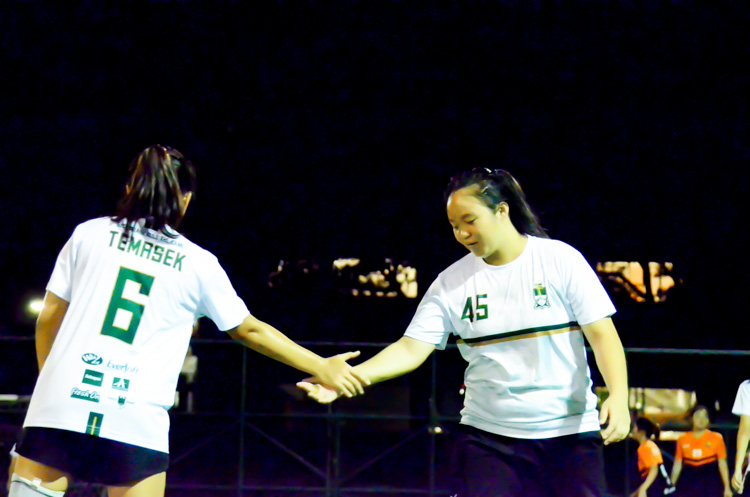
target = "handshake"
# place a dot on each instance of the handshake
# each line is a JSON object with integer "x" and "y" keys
{"x": 334, "y": 379}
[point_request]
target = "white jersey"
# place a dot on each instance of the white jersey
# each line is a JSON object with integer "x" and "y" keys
{"x": 520, "y": 331}
{"x": 742, "y": 402}
{"x": 114, "y": 365}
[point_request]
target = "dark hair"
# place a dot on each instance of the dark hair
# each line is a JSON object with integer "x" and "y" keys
{"x": 651, "y": 429}
{"x": 158, "y": 178}
{"x": 497, "y": 186}
{"x": 700, "y": 407}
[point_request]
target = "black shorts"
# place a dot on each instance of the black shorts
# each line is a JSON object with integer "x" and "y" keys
{"x": 91, "y": 459}
{"x": 489, "y": 465}
{"x": 700, "y": 481}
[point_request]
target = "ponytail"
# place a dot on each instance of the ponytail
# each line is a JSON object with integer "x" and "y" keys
{"x": 493, "y": 188}
{"x": 159, "y": 177}
{"x": 651, "y": 429}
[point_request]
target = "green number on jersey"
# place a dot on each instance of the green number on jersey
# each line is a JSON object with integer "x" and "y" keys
{"x": 482, "y": 311}
{"x": 118, "y": 302}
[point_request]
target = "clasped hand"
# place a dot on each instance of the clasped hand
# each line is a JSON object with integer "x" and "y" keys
{"x": 334, "y": 379}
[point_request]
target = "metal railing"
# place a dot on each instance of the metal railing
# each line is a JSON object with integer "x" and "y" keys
{"x": 421, "y": 431}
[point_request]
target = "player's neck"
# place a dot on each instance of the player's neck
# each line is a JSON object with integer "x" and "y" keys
{"x": 699, "y": 433}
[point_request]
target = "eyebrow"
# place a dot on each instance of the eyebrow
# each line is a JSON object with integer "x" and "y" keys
{"x": 464, "y": 217}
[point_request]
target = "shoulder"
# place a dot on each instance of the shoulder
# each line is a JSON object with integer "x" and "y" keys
{"x": 554, "y": 247}
{"x": 462, "y": 268}
{"x": 745, "y": 387}
{"x": 683, "y": 439}
{"x": 96, "y": 224}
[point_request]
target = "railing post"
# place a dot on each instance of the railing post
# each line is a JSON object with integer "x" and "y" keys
{"x": 433, "y": 423}
{"x": 243, "y": 403}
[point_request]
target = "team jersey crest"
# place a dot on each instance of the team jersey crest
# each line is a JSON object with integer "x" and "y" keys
{"x": 541, "y": 301}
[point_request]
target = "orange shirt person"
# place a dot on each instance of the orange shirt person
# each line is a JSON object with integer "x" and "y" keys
{"x": 654, "y": 478}
{"x": 697, "y": 456}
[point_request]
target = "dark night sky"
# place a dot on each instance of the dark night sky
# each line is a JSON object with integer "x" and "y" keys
{"x": 322, "y": 131}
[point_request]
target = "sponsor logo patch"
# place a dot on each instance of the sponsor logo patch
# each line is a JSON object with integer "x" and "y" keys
{"x": 93, "y": 359}
{"x": 89, "y": 395}
{"x": 94, "y": 423}
{"x": 94, "y": 378}
{"x": 125, "y": 368}
{"x": 121, "y": 384}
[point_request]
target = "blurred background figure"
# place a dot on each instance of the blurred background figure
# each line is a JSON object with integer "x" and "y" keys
{"x": 654, "y": 479}
{"x": 698, "y": 456}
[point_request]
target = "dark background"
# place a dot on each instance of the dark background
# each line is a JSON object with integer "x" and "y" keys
{"x": 329, "y": 130}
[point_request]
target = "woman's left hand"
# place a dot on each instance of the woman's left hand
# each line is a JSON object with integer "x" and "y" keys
{"x": 616, "y": 415}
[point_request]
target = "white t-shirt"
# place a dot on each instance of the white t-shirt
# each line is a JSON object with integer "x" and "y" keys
{"x": 115, "y": 362}
{"x": 742, "y": 402}
{"x": 519, "y": 329}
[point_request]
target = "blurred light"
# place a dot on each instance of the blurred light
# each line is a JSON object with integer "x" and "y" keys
{"x": 435, "y": 430}
{"x": 35, "y": 306}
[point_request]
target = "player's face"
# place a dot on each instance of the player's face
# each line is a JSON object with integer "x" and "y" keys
{"x": 475, "y": 225}
{"x": 700, "y": 420}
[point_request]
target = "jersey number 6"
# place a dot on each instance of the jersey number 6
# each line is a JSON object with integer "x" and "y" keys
{"x": 119, "y": 303}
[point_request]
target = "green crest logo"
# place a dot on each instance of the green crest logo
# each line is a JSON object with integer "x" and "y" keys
{"x": 541, "y": 301}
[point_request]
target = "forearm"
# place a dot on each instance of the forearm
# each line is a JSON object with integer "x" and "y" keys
{"x": 267, "y": 340}
{"x": 676, "y": 470}
{"x": 47, "y": 325}
{"x": 610, "y": 357}
{"x": 724, "y": 472}
{"x": 743, "y": 437}
{"x": 650, "y": 478}
{"x": 397, "y": 359}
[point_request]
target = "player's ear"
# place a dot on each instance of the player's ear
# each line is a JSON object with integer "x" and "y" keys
{"x": 502, "y": 209}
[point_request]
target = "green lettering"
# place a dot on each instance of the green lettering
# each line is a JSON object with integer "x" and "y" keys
{"x": 147, "y": 246}
{"x": 112, "y": 239}
{"x": 178, "y": 261}
{"x": 118, "y": 302}
{"x": 158, "y": 253}
{"x": 134, "y": 245}
{"x": 123, "y": 242}
{"x": 168, "y": 257}
{"x": 468, "y": 310}
{"x": 482, "y": 311}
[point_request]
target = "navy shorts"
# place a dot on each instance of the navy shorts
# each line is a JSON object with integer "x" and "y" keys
{"x": 489, "y": 465}
{"x": 91, "y": 459}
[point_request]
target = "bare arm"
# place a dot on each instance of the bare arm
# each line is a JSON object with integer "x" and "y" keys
{"x": 724, "y": 472}
{"x": 399, "y": 358}
{"x": 610, "y": 358}
{"x": 676, "y": 470}
{"x": 334, "y": 371}
{"x": 48, "y": 324}
{"x": 743, "y": 437}
{"x": 652, "y": 474}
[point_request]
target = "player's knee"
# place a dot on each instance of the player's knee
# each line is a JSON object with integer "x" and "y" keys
{"x": 21, "y": 487}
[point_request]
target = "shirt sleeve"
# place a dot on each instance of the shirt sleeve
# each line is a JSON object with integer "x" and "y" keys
{"x": 587, "y": 297}
{"x": 742, "y": 402}
{"x": 61, "y": 281}
{"x": 678, "y": 449}
{"x": 721, "y": 448}
{"x": 219, "y": 301}
{"x": 431, "y": 323}
{"x": 650, "y": 455}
